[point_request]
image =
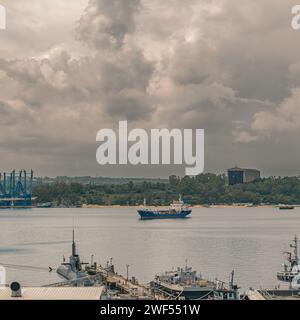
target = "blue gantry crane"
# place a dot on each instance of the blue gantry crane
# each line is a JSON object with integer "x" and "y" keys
{"x": 16, "y": 191}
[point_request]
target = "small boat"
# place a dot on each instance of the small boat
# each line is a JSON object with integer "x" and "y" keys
{"x": 286, "y": 207}
{"x": 44, "y": 205}
{"x": 177, "y": 210}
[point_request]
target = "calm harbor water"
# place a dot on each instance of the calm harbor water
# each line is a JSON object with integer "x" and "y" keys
{"x": 214, "y": 241}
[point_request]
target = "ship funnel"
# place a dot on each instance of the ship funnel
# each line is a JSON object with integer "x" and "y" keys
{"x": 16, "y": 290}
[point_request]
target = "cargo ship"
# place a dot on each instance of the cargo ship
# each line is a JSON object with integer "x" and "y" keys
{"x": 177, "y": 210}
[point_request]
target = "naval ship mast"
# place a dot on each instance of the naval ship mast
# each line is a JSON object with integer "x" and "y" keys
{"x": 291, "y": 268}
{"x": 294, "y": 245}
{"x": 72, "y": 270}
{"x": 74, "y": 255}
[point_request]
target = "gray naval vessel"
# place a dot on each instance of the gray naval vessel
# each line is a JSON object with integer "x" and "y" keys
{"x": 291, "y": 267}
{"x": 75, "y": 271}
{"x": 289, "y": 275}
{"x": 226, "y": 292}
{"x": 183, "y": 283}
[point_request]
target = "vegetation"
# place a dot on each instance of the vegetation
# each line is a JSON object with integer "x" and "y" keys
{"x": 202, "y": 189}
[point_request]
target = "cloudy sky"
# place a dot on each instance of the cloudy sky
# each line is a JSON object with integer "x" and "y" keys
{"x": 69, "y": 68}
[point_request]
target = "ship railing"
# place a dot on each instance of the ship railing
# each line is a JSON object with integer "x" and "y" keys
{"x": 164, "y": 293}
{"x": 265, "y": 294}
{"x": 170, "y": 296}
{"x": 179, "y": 294}
{"x": 70, "y": 283}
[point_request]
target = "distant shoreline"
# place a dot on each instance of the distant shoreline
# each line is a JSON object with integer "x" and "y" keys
{"x": 194, "y": 206}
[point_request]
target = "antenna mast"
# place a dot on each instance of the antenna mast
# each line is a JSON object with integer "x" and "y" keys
{"x": 73, "y": 244}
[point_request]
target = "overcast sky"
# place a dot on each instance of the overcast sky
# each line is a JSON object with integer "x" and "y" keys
{"x": 69, "y": 68}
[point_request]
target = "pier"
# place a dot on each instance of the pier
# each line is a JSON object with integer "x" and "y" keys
{"x": 127, "y": 288}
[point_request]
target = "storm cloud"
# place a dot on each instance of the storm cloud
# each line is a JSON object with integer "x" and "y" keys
{"x": 228, "y": 67}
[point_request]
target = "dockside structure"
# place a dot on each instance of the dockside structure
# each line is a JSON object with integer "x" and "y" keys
{"x": 16, "y": 190}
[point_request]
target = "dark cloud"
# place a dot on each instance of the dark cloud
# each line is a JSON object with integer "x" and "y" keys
{"x": 106, "y": 23}
{"x": 230, "y": 68}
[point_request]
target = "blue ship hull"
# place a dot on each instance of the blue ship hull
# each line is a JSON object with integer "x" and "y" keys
{"x": 148, "y": 214}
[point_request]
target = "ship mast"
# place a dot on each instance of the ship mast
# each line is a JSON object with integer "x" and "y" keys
{"x": 73, "y": 245}
{"x": 231, "y": 279}
{"x": 294, "y": 245}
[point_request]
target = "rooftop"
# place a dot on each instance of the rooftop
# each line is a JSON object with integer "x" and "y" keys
{"x": 236, "y": 168}
{"x": 54, "y": 293}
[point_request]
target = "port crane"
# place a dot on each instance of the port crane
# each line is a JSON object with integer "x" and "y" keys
{"x": 16, "y": 190}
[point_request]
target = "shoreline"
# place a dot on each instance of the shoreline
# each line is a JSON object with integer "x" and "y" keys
{"x": 233, "y": 206}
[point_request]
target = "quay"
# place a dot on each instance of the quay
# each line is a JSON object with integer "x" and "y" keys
{"x": 273, "y": 294}
{"x": 128, "y": 288}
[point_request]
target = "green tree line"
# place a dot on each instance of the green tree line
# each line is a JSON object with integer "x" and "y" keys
{"x": 202, "y": 189}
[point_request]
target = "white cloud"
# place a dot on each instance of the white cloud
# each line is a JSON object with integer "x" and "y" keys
{"x": 244, "y": 136}
{"x": 285, "y": 118}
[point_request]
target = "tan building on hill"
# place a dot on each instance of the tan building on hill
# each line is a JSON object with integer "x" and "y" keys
{"x": 238, "y": 175}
